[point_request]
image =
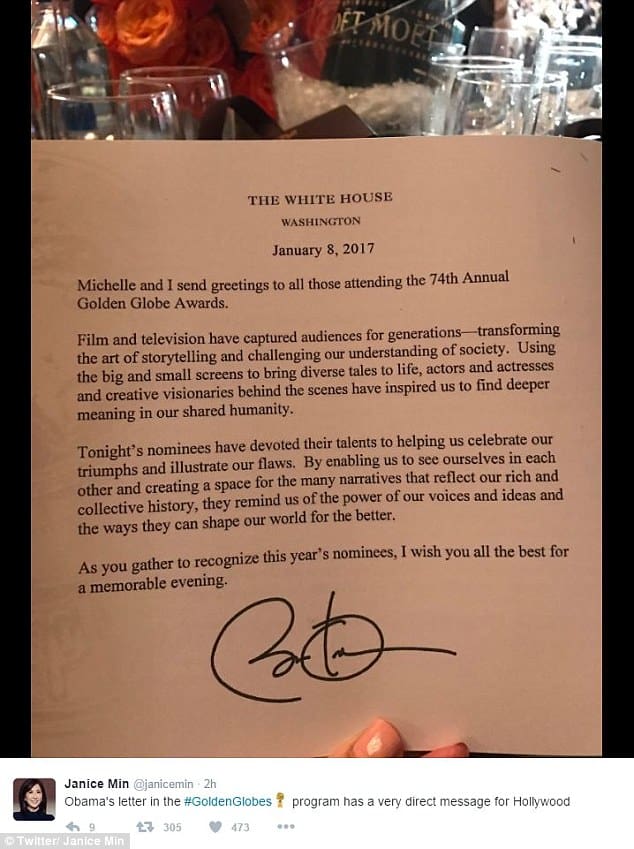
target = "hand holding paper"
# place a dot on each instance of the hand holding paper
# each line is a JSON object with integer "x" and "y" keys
{"x": 295, "y": 489}
{"x": 382, "y": 740}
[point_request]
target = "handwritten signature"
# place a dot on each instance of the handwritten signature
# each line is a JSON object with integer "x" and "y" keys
{"x": 321, "y": 657}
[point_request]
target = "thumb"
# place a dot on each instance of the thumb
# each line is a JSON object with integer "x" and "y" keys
{"x": 378, "y": 740}
{"x": 456, "y": 750}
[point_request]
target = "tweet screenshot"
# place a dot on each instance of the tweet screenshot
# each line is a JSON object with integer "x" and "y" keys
{"x": 156, "y": 803}
{"x": 316, "y": 449}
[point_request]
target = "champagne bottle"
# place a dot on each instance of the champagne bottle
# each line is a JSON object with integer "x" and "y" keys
{"x": 382, "y": 41}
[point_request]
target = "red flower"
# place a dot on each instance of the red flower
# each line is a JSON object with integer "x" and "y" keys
{"x": 255, "y": 82}
{"x": 267, "y": 16}
{"x": 320, "y": 18}
{"x": 199, "y": 8}
{"x": 107, "y": 27}
{"x": 117, "y": 63}
{"x": 319, "y": 25}
{"x": 208, "y": 43}
{"x": 140, "y": 33}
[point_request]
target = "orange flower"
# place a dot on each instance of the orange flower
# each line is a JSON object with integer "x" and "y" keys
{"x": 209, "y": 43}
{"x": 152, "y": 32}
{"x": 267, "y": 16}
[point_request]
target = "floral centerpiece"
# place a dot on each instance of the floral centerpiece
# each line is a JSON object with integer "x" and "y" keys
{"x": 229, "y": 35}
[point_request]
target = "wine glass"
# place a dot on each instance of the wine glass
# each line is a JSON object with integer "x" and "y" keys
{"x": 504, "y": 103}
{"x": 442, "y": 73}
{"x": 99, "y": 110}
{"x": 550, "y": 101}
{"x": 581, "y": 58}
{"x": 491, "y": 41}
{"x": 195, "y": 88}
{"x": 451, "y": 48}
{"x": 561, "y": 38}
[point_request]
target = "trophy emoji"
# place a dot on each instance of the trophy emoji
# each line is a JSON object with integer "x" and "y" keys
{"x": 280, "y": 800}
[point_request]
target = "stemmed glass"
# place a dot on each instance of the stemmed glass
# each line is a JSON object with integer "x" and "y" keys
{"x": 504, "y": 103}
{"x": 581, "y": 58}
{"x": 195, "y": 88}
{"x": 99, "y": 110}
{"x": 451, "y": 48}
{"x": 442, "y": 73}
{"x": 491, "y": 41}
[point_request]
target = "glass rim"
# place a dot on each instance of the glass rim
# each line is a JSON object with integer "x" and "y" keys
{"x": 574, "y": 50}
{"x": 510, "y": 30}
{"x": 569, "y": 38}
{"x": 475, "y": 59}
{"x": 174, "y": 72}
{"x": 279, "y": 43}
{"x": 527, "y": 80}
{"x": 72, "y": 91}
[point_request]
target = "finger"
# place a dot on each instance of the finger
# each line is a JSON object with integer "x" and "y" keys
{"x": 456, "y": 750}
{"x": 378, "y": 740}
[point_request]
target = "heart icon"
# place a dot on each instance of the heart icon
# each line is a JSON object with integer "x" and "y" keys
{"x": 215, "y": 826}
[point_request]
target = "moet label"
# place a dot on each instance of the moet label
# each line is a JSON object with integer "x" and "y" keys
{"x": 379, "y": 41}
